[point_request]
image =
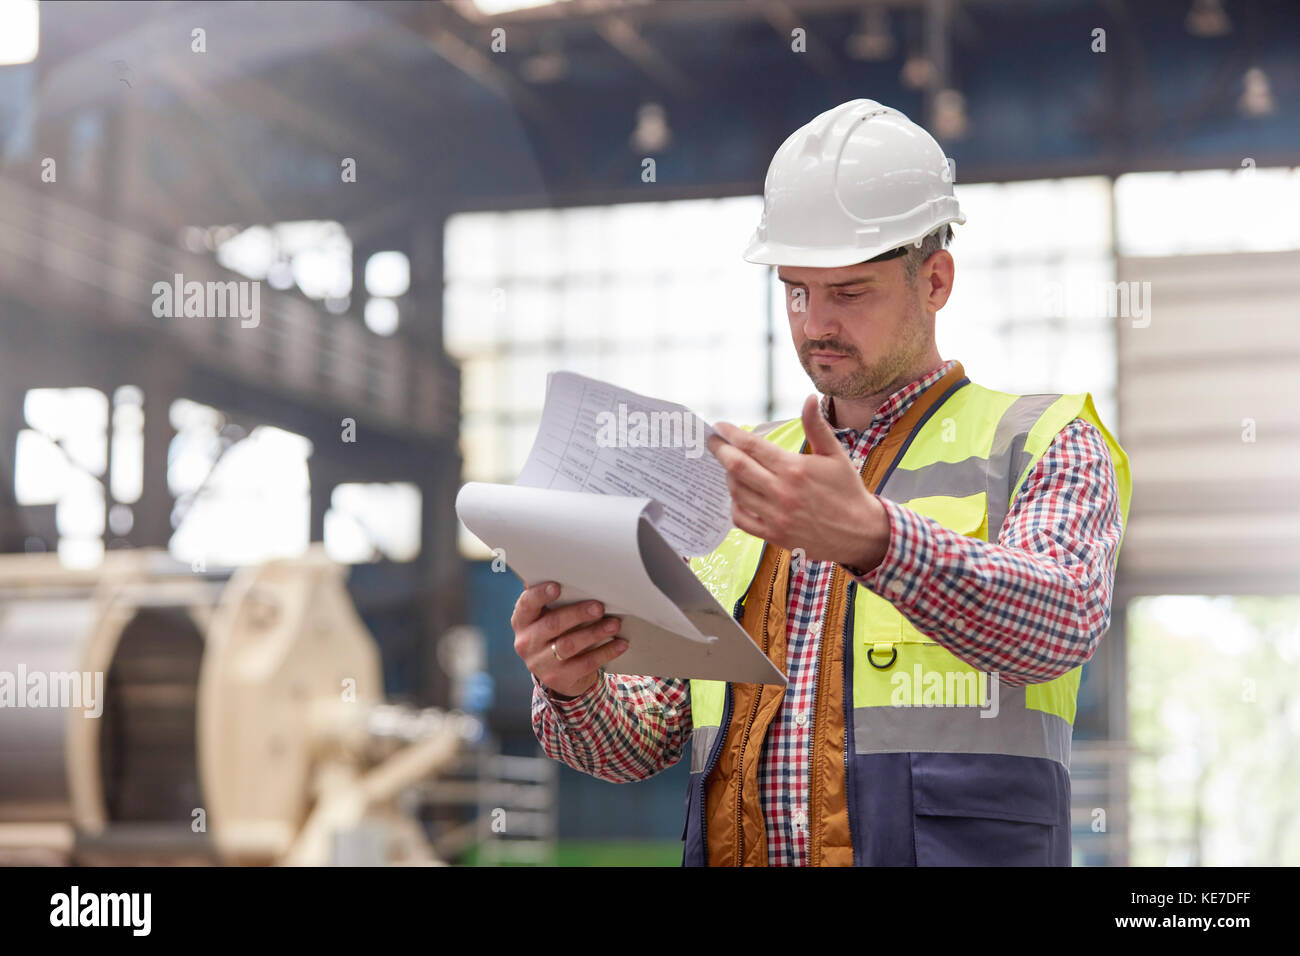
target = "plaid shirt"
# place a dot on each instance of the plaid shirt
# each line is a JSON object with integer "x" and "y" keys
{"x": 1032, "y": 607}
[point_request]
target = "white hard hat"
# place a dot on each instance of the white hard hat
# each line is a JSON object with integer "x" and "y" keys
{"x": 858, "y": 181}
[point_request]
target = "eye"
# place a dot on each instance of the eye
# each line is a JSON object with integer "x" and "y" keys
{"x": 850, "y": 295}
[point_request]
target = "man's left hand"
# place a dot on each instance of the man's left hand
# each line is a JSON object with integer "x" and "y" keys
{"x": 815, "y": 502}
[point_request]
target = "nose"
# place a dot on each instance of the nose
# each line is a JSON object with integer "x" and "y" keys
{"x": 818, "y": 322}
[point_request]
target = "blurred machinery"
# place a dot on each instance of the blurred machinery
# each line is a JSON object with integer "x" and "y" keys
{"x": 151, "y": 713}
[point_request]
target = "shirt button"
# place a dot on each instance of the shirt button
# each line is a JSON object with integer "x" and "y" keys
{"x": 815, "y": 629}
{"x": 895, "y": 587}
{"x": 801, "y": 718}
{"x": 800, "y": 817}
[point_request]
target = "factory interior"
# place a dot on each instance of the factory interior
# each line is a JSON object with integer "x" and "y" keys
{"x": 240, "y": 529}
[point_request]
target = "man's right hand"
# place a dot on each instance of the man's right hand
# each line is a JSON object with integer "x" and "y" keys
{"x": 573, "y": 667}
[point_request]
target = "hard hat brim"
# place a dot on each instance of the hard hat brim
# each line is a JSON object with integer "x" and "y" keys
{"x": 783, "y": 254}
{"x": 779, "y": 254}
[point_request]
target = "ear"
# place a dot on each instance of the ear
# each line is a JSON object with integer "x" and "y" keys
{"x": 936, "y": 280}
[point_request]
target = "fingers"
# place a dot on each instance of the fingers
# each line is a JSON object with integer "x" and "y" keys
{"x": 580, "y": 633}
{"x": 746, "y": 471}
{"x": 750, "y": 502}
{"x": 582, "y": 652}
{"x": 758, "y": 494}
{"x": 534, "y": 634}
{"x": 572, "y": 645}
{"x": 748, "y": 522}
{"x": 818, "y": 431}
{"x": 743, "y": 475}
{"x": 743, "y": 468}
{"x": 561, "y": 620}
{"x": 597, "y": 658}
{"x": 760, "y": 449}
{"x": 531, "y": 603}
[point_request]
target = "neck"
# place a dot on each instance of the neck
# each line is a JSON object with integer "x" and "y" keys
{"x": 857, "y": 413}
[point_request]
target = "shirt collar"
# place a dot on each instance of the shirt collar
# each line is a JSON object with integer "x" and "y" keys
{"x": 896, "y": 404}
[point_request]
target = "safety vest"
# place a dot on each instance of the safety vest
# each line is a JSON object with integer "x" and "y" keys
{"x": 915, "y": 757}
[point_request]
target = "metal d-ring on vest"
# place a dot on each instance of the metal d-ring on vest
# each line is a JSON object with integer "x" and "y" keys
{"x": 892, "y": 657}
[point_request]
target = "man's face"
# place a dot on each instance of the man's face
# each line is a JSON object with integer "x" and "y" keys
{"x": 856, "y": 328}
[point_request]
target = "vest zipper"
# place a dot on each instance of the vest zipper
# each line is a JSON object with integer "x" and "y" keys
{"x": 749, "y": 724}
{"x": 723, "y": 727}
{"x": 847, "y": 668}
{"x": 722, "y": 735}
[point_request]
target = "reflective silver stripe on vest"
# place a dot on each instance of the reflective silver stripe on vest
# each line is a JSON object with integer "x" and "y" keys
{"x": 701, "y": 743}
{"x": 956, "y": 479}
{"x": 993, "y": 475}
{"x": 1008, "y": 452}
{"x": 1015, "y": 730}
{"x": 768, "y": 427}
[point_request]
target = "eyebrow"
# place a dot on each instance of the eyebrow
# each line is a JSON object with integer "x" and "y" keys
{"x": 830, "y": 285}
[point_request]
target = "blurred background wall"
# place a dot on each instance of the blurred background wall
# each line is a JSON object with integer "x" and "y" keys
{"x": 440, "y": 203}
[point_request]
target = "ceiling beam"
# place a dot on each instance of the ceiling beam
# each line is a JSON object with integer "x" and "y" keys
{"x": 582, "y": 15}
{"x": 622, "y": 35}
{"x": 344, "y": 138}
{"x": 206, "y": 108}
{"x": 784, "y": 20}
{"x": 437, "y": 28}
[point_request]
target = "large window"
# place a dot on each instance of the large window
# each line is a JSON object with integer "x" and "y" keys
{"x": 240, "y": 499}
{"x": 61, "y": 460}
{"x": 1208, "y": 211}
{"x": 652, "y": 296}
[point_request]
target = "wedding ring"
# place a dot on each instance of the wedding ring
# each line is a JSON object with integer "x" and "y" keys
{"x": 556, "y": 653}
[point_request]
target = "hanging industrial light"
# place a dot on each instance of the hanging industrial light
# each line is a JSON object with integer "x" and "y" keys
{"x": 1256, "y": 94}
{"x": 949, "y": 114}
{"x": 652, "y": 133}
{"x": 1207, "y": 18}
{"x": 548, "y": 64}
{"x": 872, "y": 41}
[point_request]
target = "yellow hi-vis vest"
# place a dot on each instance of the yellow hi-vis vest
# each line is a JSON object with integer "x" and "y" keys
{"x": 916, "y": 747}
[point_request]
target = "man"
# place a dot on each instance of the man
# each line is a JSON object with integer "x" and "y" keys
{"x": 930, "y": 561}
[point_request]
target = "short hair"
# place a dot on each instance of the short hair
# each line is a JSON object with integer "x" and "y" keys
{"x": 931, "y": 244}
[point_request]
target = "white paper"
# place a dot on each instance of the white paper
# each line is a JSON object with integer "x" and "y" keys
{"x": 604, "y": 547}
{"x": 611, "y": 523}
{"x": 681, "y": 474}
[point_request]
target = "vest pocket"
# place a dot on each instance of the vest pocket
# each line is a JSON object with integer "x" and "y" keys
{"x": 875, "y": 620}
{"x": 989, "y": 810}
{"x": 979, "y": 841}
